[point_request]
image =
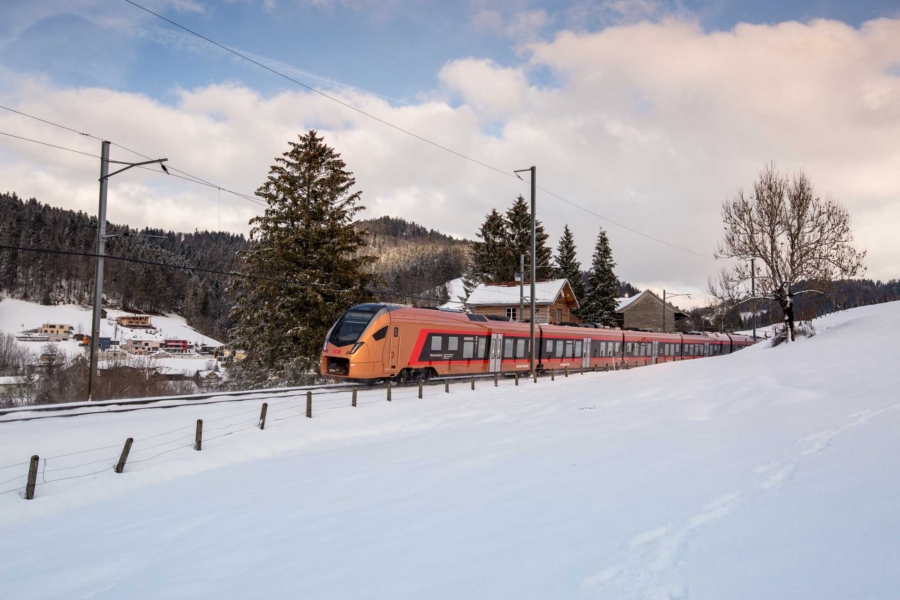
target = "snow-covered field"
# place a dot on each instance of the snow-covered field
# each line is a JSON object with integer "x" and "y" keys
{"x": 771, "y": 473}
{"x": 18, "y": 315}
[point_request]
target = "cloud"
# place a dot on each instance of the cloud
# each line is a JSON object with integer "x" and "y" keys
{"x": 650, "y": 124}
{"x": 523, "y": 25}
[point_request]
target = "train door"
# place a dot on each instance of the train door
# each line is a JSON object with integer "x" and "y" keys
{"x": 393, "y": 359}
{"x": 586, "y": 353}
{"x": 495, "y": 360}
{"x": 706, "y": 349}
{"x": 655, "y": 352}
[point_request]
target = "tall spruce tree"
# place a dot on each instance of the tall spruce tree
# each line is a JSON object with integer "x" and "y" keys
{"x": 567, "y": 265}
{"x": 307, "y": 238}
{"x": 518, "y": 232}
{"x": 600, "y": 304}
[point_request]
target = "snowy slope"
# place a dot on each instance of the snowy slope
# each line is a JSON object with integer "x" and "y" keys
{"x": 771, "y": 473}
{"x": 457, "y": 292}
{"x": 18, "y": 315}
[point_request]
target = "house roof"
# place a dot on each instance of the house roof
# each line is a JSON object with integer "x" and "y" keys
{"x": 507, "y": 293}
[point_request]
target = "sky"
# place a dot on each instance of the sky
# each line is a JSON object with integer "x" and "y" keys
{"x": 645, "y": 114}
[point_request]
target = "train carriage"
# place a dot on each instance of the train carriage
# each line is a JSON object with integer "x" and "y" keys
{"x": 378, "y": 341}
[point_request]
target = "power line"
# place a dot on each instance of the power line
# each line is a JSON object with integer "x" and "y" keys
{"x": 189, "y": 177}
{"x": 406, "y": 131}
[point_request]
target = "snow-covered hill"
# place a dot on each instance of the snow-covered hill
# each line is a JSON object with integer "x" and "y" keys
{"x": 18, "y": 315}
{"x": 770, "y": 473}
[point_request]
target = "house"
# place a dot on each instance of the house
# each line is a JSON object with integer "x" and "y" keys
{"x": 140, "y": 346}
{"x": 228, "y": 355}
{"x": 134, "y": 321}
{"x": 645, "y": 311}
{"x": 207, "y": 379}
{"x": 57, "y": 331}
{"x": 554, "y": 301}
{"x": 176, "y": 346}
{"x": 16, "y": 387}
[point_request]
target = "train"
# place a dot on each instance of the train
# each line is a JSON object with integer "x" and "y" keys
{"x": 403, "y": 343}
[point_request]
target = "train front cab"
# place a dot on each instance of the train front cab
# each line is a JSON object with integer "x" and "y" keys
{"x": 359, "y": 344}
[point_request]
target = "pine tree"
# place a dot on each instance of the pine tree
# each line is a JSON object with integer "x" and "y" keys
{"x": 490, "y": 254}
{"x": 518, "y": 232}
{"x": 567, "y": 265}
{"x": 305, "y": 236}
{"x": 600, "y": 303}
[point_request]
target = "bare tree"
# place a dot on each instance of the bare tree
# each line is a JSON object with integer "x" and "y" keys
{"x": 797, "y": 239}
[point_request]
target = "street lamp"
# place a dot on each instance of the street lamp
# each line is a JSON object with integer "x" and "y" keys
{"x": 533, "y": 171}
{"x": 664, "y": 306}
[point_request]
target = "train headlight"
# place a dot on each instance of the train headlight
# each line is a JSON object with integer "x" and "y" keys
{"x": 356, "y": 347}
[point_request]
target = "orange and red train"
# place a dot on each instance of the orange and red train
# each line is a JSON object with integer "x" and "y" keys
{"x": 391, "y": 341}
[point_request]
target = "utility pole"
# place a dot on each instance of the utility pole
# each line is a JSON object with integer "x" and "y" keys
{"x": 753, "y": 293}
{"x": 533, "y": 171}
{"x": 101, "y": 248}
{"x": 521, "y": 287}
{"x": 664, "y": 311}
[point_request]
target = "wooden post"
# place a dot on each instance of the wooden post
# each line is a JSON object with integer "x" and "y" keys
{"x": 262, "y": 415}
{"x": 517, "y": 378}
{"x": 496, "y": 378}
{"x": 473, "y": 383}
{"x": 567, "y": 370}
{"x": 388, "y": 390}
{"x": 596, "y": 368}
{"x": 582, "y": 368}
{"x": 447, "y": 386}
{"x": 607, "y": 367}
{"x": 535, "y": 375}
{"x": 309, "y": 405}
{"x": 552, "y": 374}
{"x": 32, "y": 477}
{"x": 198, "y": 436}
{"x": 353, "y": 398}
{"x": 121, "y": 464}
{"x": 420, "y": 389}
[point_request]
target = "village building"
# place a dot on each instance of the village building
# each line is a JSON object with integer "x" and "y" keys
{"x": 554, "y": 300}
{"x": 177, "y": 346}
{"x": 56, "y": 332}
{"x": 134, "y": 321}
{"x": 207, "y": 379}
{"x": 140, "y": 346}
{"x": 645, "y": 311}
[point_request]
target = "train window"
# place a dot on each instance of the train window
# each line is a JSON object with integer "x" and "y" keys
{"x": 549, "y": 348}
{"x": 481, "y": 346}
{"x": 569, "y": 353}
{"x": 578, "y": 348}
{"x": 379, "y": 335}
{"x": 436, "y": 343}
{"x": 520, "y": 348}
{"x": 508, "y": 348}
{"x": 452, "y": 343}
{"x": 560, "y": 348}
{"x": 468, "y": 347}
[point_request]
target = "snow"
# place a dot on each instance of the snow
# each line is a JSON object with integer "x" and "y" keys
{"x": 623, "y": 302}
{"x": 457, "y": 294}
{"x": 769, "y": 473}
{"x": 17, "y": 315}
{"x": 545, "y": 292}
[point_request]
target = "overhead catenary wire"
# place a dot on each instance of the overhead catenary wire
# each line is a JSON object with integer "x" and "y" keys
{"x": 406, "y": 131}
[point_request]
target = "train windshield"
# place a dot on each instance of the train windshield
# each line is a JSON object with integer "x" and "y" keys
{"x": 352, "y": 324}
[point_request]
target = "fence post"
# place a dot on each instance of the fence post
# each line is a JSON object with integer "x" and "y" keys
{"x": 447, "y": 386}
{"x": 473, "y": 383}
{"x": 198, "y": 436}
{"x": 517, "y": 378}
{"x": 262, "y": 415}
{"x": 582, "y": 368}
{"x": 309, "y": 405}
{"x": 596, "y": 367}
{"x": 567, "y": 370}
{"x": 420, "y": 389}
{"x": 496, "y": 378}
{"x": 388, "y": 390}
{"x": 535, "y": 375}
{"x": 353, "y": 398}
{"x": 32, "y": 477}
{"x": 552, "y": 374}
{"x": 121, "y": 464}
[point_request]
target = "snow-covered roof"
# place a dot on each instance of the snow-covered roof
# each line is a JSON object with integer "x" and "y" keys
{"x": 457, "y": 294}
{"x": 9, "y": 380}
{"x": 545, "y": 292}
{"x": 623, "y": 302}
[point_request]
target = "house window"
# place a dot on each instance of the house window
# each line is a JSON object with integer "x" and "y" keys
{"x": 436, "y": 343}
{"x": 452, "y": 343}
{"x": 511, "y": 313}
{"x": 559, "y": 315}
